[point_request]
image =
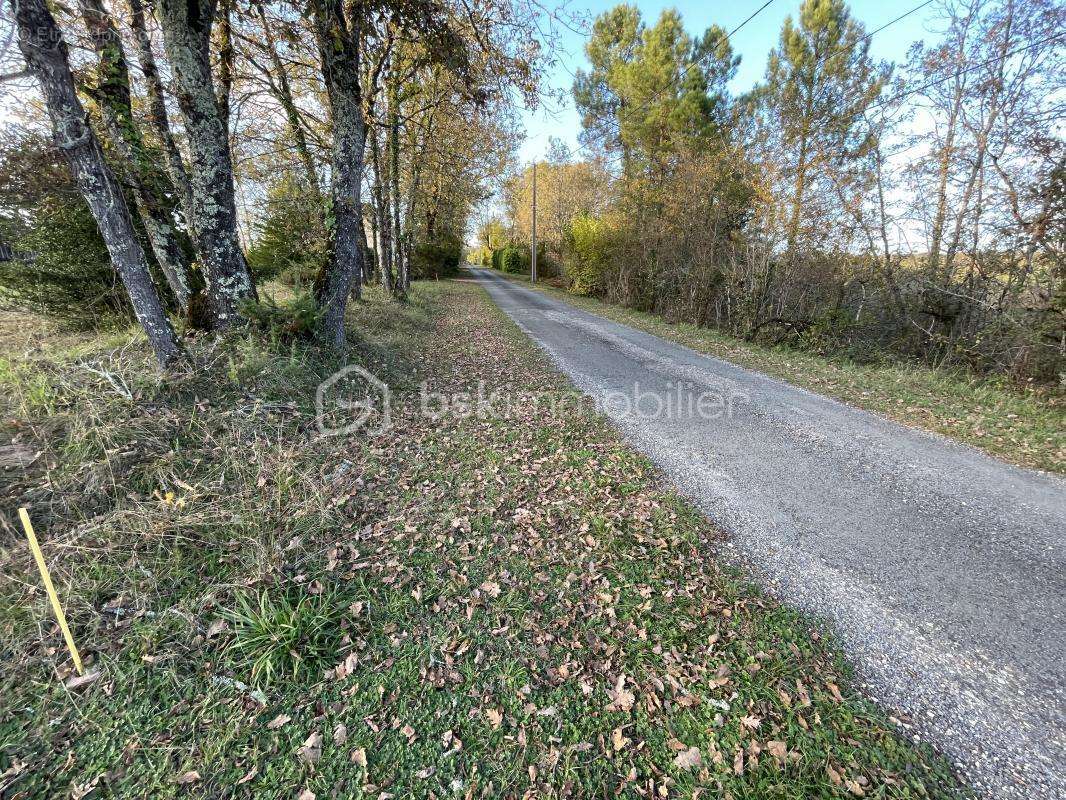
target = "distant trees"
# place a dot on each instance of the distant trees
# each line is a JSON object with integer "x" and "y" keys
{"x": 835, "y": 206}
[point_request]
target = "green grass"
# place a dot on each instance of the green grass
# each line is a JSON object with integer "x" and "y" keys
{"x": 462, "y": 607}
{"x": 1023, "y": 427}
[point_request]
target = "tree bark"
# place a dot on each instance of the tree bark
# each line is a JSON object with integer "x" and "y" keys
{"x": 150, "y": 185}
{"x": 339, "y": 50}
{"x": 45, "y": 51}
{"x": 186, "y": 37}
{"x": 401, "y": 285}
{"x": 157, "y": 112}
{"x": 381, "y": 214}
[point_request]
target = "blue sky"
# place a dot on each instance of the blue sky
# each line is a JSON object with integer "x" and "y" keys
{"x": 753, "y": 43}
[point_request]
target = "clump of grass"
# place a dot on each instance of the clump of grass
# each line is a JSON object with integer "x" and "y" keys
{"x": 286, "y": 633}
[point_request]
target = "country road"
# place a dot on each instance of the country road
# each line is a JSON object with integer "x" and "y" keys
{"x": 941, "y": 569}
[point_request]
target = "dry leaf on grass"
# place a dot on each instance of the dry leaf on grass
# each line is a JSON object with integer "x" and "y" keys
{"x": 78, "y": 681}
{"x": 192, "y": 776}
{"x": 278, "y": 721}
{"x": 311, "y": 750}
{"x": 688, "y": 759}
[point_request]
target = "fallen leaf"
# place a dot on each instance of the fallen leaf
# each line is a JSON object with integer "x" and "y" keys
{"x": 340, "y": 734}
{"x": 778, "y": 749}
{"x": 249, "y": 775}
{"x": 216, "y": 627}
{"x": 834, "y": 776}
{"x": 78, "y": 681}
{"x": 192, "y": 776}
{"x": 854, "y": 788}
{"x": 359, "y": 757}
{"x": 688, "y": 759}
{"x": 278, "y": 721}
{"x": 750, "y": 722}
{"x": 494, "y": 717}
{"x": 621, "y": 698}
{"x": 306, "y": 794}
{"x": 311, "y": 750}
{"x": 618, "y": 740}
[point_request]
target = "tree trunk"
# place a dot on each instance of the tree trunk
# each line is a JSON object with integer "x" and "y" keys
{"x": 150, "y": 185}
{"x": 401, "y": 285}
{"x": 186, "y": 36}
{"x": 157, "y": 112}
{"x": 339, "y": 50}
{"x": 225, "y": 61}
{"x": 382, "y": 215}
{"x": 42, "y": 45}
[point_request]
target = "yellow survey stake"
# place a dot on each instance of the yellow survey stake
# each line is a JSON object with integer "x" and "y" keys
{"x": 48, "y": 587}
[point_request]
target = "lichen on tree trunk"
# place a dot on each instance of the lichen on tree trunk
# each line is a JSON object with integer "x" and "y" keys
{"x": 186, "y": 36}
{"x": 149, "y": 184}
{"x": 339, "y": 50}
{"x": 45, "y": 51}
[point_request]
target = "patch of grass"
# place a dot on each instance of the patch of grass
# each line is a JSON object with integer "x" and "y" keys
{"x": 278, "y": 635}
{"x": 464, "y": 606}
{"x": 1022, "y": 427}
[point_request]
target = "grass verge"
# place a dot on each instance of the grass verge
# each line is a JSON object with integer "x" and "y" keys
{"x": 468, "y": 605}
{"x": 1022, "y": 427}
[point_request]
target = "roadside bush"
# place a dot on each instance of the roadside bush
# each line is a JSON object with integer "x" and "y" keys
{"x": 590, "y": 242}
{"x": 515, "y": 259}
{"x": 436, "y": 259}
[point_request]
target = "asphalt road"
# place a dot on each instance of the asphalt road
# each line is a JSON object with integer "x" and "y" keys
{"x": 941, "y": 569}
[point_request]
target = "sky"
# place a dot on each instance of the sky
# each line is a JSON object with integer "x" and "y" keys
{"x": 752, "y": 43}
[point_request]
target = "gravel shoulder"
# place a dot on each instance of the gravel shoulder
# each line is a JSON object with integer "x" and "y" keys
{"x": 940, "y": 569}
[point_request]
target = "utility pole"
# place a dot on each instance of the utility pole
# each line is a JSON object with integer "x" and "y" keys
{"x": 533, "y": 256}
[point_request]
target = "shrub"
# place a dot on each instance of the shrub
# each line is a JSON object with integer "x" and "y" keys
{"x": 591, "y": 244}
{"x": 291, "y": 242}
{"x": 437, "y": 258}
{"x": 514, "y": 259}
{"x": 63, "y": 270}
{"x": 287, "y": 322}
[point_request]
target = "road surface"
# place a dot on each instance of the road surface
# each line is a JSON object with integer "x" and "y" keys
{"x": 941, "y": 569}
